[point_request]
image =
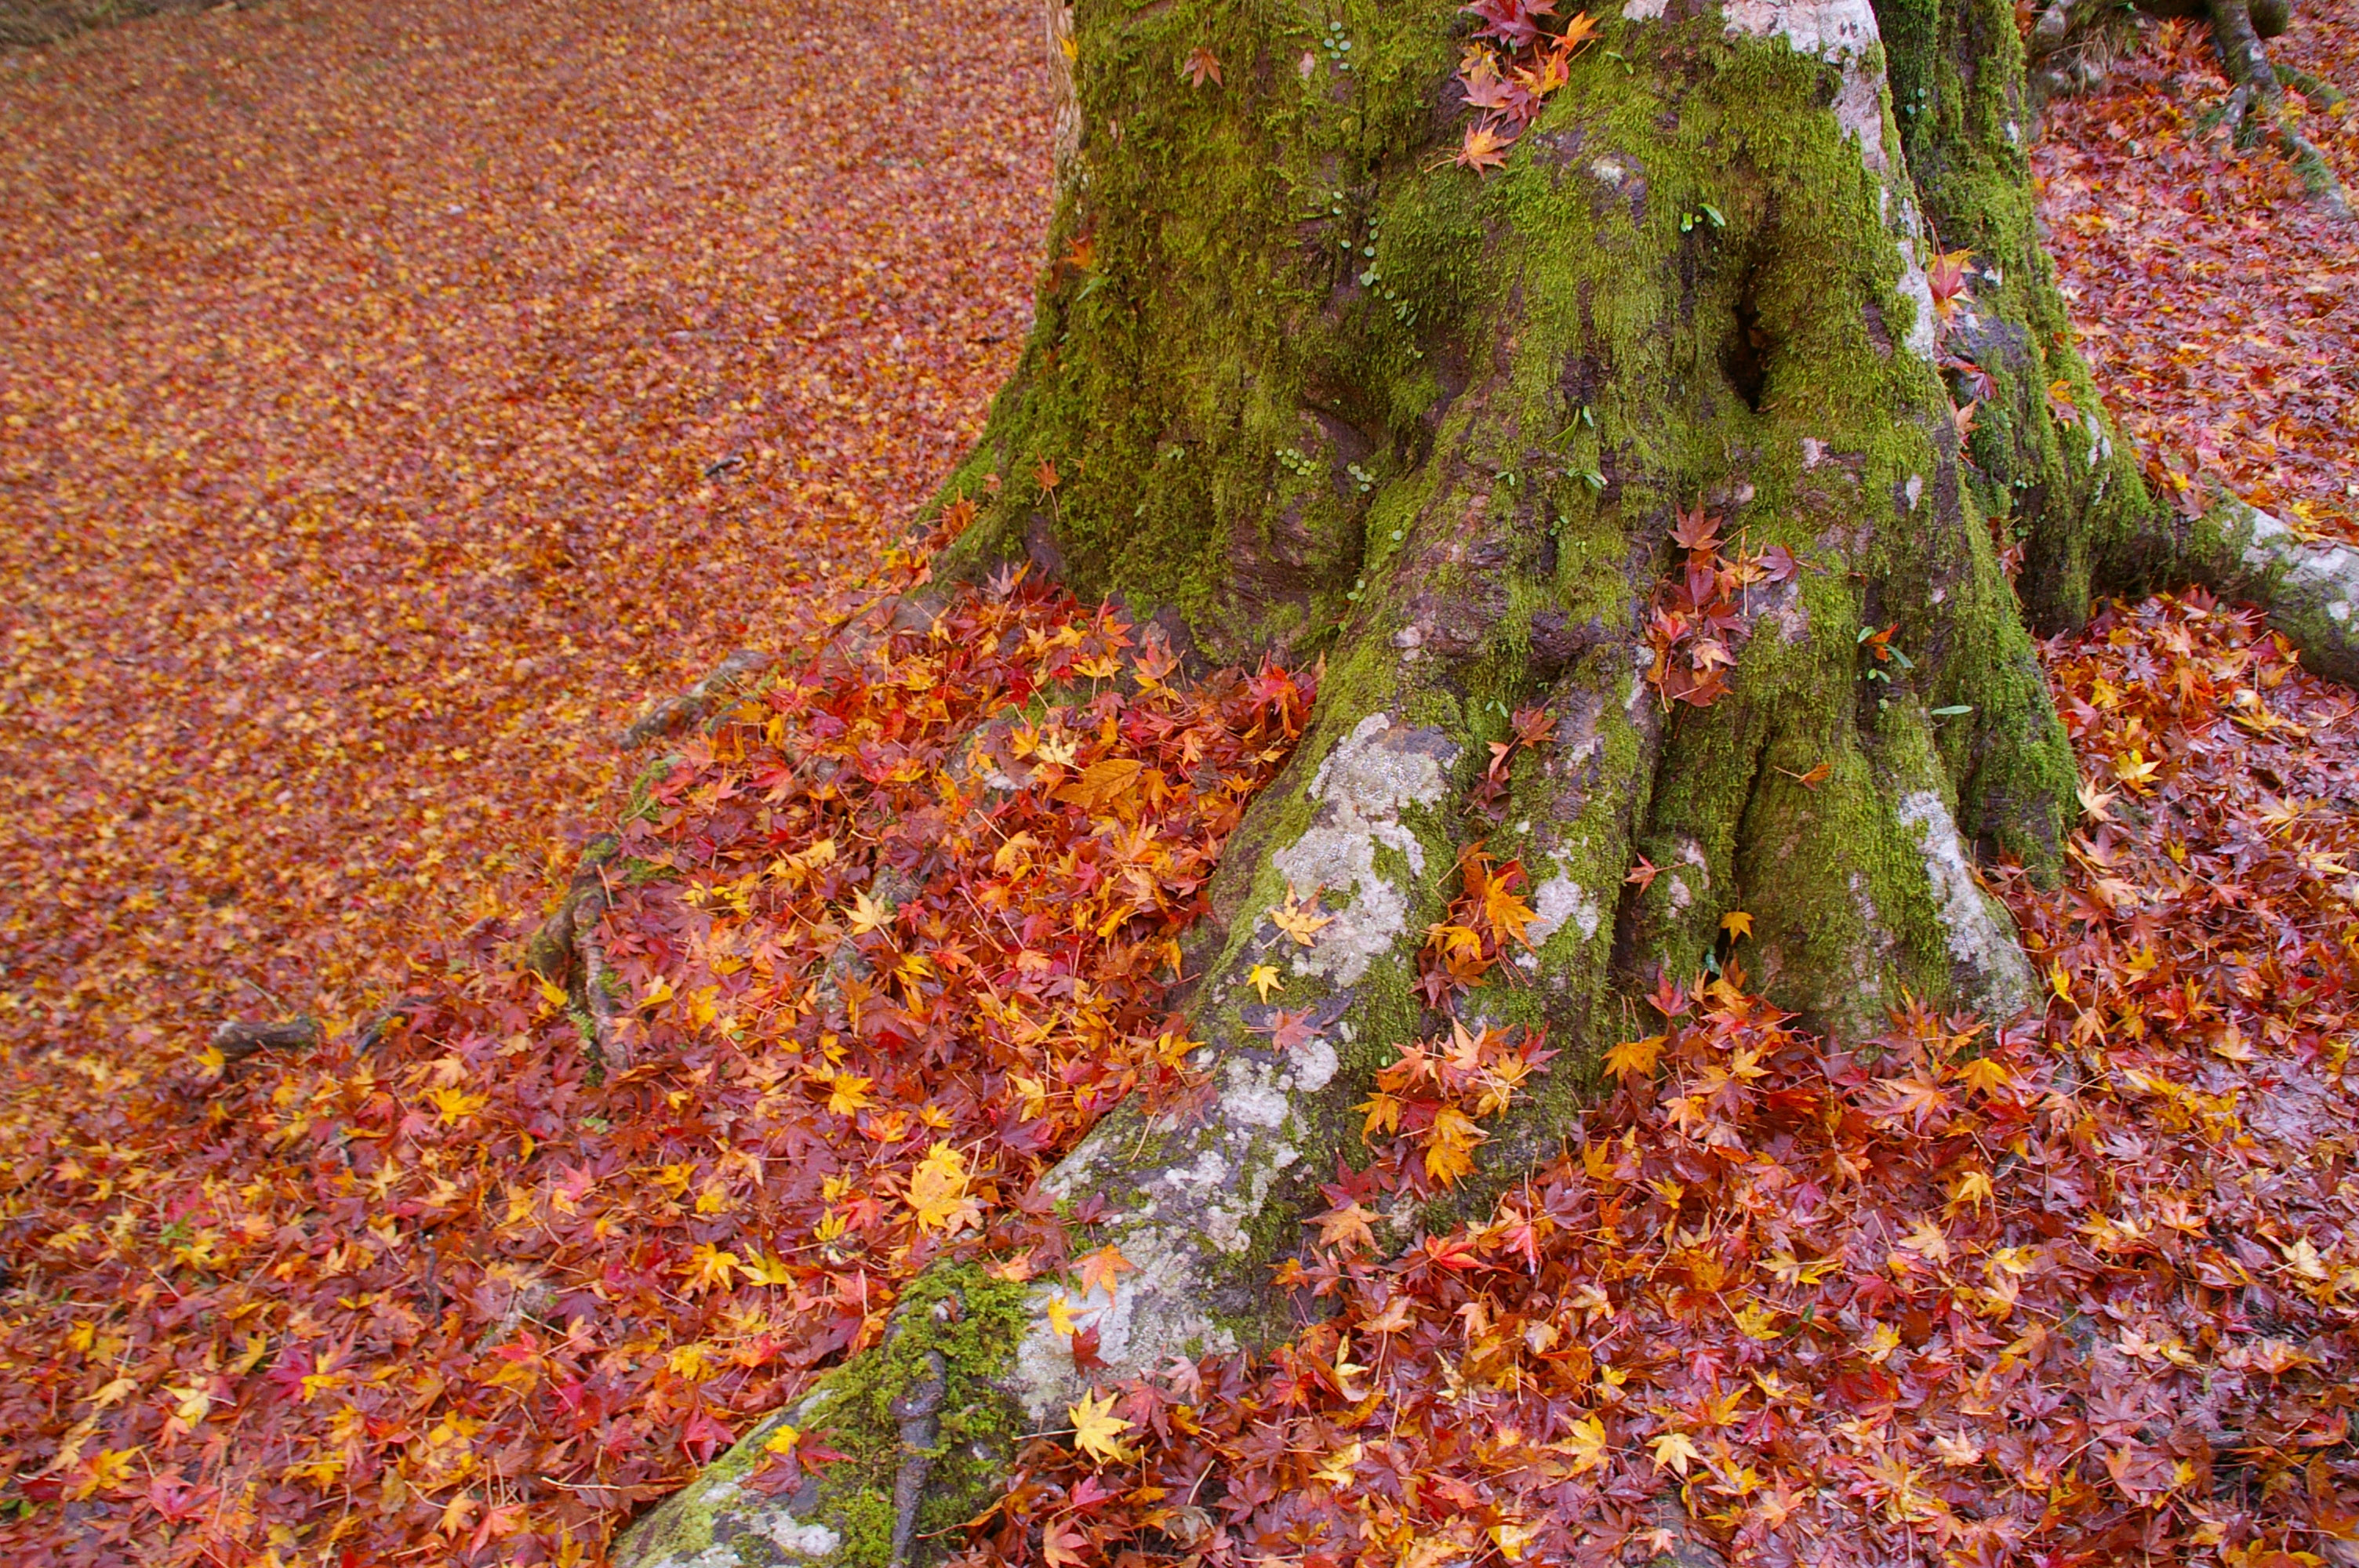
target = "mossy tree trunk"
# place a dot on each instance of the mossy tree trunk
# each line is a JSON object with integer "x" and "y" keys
{"x": 1299, "y": 384}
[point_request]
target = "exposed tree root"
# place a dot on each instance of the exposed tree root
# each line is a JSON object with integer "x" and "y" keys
{"x": 2256, "y": 107}
{"x": 236, "y": 1042}
{"x": 2323, "y": 95}
{"x": 697, "y": 703}
{"x": 918, "y": 1410}
{"x": 2309, "y": 589}
{"x": 565, "y": 951}
{"x": 2073, "y": 42}
{"x": 1720, "y": 416}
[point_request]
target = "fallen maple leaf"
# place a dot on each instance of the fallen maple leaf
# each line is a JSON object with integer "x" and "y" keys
{"x": 1674, "y": 1451}
{"x": 1300, "y": 921}
{"x": 1483, "y": 147}
{"x": 1102, "y": 783}
{"x": 1347, "y": 1225}
{"x": 1947, "y": 279}
{"x": 1101, "y": 1270}
{"x": 1636, "y": 1058}
{"x": 937, "y": 1192}
{"x": 1099, "y": 1432}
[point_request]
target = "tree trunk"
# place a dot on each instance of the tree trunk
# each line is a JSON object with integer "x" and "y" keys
{"x": 1300, "y": 383}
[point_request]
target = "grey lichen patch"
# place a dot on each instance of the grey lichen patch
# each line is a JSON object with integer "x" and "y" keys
{"x": 1374, "y": 773}
{"x": 1559, "y": 900}
{"x": 1991, "y": 971}
{"x": 1196, "y": 1210}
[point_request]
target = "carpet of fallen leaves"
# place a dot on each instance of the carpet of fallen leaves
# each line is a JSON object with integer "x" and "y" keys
{"x": 2218, "y": 309}
{"x": 376, "y": 462}
{"x": 885, "y": 944}
{"x": 392, "y": 396}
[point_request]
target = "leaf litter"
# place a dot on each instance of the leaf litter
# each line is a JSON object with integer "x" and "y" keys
{"x": 2077, "y": 1290}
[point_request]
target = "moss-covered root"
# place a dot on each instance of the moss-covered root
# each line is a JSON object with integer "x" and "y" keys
{"x": 927, "y": 1426}
{"x": 2307, "y": 588}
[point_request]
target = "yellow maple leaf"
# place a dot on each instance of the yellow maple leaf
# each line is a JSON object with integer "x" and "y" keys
{"x": 1792, "y": 1271}
{"x": 1449, "y": 1144}
{"x": 1736, "y": 923}
{"x": 455, "y": 1105}
{"x": 1098, "y": 1432}
{"x": 867, "y": 914}
{"x": 1507, "y": 914}
{"x": 1336, "y": 1469}
{"x": 108, "y": 1469}
{"x": 848, "y": 1095}
{"x": 1060, "y": 1316}
{"x": 1985, "y": 1075}
{"x": 938, "y": 1194}
{"x": 1102, "y": 781}
{"x": 708, "y": 1266}
{"x": 190, "y": 1402}
{"x": 1636, "y": 1058}
{"x": 1585, "y": 1445}
{"x": 770, "y": 1269}
{"x": 1263, "y": 978}
{"x": 1346, "y": 1370}
{"x": 1925, "y": 1240}
{"x": 1300, "y": 921}
{"x": 1511, "y": 1538}
{"x": 1758, "y": 1322}
{"x": 1672, "y": 1450}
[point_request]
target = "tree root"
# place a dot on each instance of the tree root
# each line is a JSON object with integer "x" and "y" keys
{"x": 697, "y": 703}
{"x": 918, "y": 1410}
{"x": 237, "y": 1041}
{"x": 2257, "y": 108}
{"x": 2307, "y": 588}
{"x": 565, "y": 951}
{"x": 2323, "y": 95}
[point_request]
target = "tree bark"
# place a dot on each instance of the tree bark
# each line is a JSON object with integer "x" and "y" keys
{"x": 1301, "y": 384}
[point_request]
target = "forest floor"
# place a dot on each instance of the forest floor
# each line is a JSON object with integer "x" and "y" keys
{"x": 395, "y": 398}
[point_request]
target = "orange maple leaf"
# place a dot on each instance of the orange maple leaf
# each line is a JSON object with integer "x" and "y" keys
{"x": 1483, "y": 147}
{"x": 1102, "y": 1268}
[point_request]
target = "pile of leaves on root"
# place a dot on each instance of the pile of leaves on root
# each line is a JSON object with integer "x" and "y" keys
{"x": 2082, "y": 1290}
{"x": 882, "y": 946}
{"x": 2218, "y": 309}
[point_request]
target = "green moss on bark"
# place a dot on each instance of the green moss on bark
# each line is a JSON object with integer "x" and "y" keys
{"x": 956, "y": 1327}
